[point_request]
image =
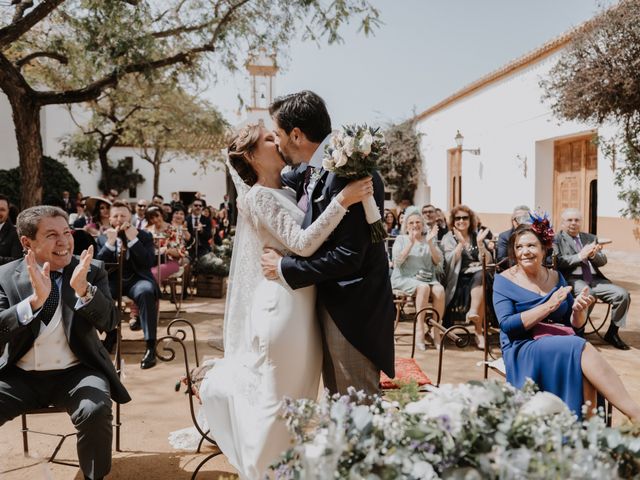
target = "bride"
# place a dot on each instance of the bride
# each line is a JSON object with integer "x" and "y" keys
{"x": 272, "y": 341}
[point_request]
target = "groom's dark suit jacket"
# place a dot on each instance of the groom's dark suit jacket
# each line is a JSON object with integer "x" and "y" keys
{"x": 351, "y": 272}
{"x": 80, "y": 325}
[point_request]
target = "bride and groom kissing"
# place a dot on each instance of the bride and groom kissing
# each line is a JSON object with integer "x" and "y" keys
{"x": 309, "y": 291}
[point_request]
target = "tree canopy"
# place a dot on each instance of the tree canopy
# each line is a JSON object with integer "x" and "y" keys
{"x": 70, "y": 51}
{"x": 400, "y": 164}
{"x": 597, "y": 80}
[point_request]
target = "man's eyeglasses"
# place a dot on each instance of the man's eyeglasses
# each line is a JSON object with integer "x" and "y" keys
{"x": 140, "y": 205}
{"x": 457, "y": 219}
{"x": 197, "y": 205}
{"x": 428, "y": 212}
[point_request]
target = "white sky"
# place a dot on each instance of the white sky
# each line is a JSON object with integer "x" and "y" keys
{"x": 426, "y": 50}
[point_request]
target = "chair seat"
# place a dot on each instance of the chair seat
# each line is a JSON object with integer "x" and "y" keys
{"x": 407, "y": 370}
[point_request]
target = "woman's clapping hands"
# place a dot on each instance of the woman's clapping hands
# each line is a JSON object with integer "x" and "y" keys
{"x": 583, "y": 301}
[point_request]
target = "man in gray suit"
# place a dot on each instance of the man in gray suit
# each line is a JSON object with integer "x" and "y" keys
{"x": 579, "y": 258}
{"x": 51, "y": 304}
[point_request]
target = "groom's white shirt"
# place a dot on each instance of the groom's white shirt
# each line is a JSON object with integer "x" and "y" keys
{"x": 315, "y": 162}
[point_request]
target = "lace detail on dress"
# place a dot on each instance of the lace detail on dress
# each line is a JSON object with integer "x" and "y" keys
{"x": 269, "y": 211}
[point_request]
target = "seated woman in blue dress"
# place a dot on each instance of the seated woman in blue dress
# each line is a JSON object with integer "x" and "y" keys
{"x": 417, "y": 265}
{"x": 540, "y": 323}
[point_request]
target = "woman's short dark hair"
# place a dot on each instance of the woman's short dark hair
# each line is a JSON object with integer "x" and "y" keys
{"x": 178, "y": 207}
{"x": 242, "y": 144}
{"x": 517, "y": 233}
{"x": 305, "y": 110}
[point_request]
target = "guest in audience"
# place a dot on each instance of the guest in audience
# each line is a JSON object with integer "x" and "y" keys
{"x": 579, "y": 258}
{"x": 519, "y": 216}
{"x": 99, "y": 209}
{"x": 167, "y": 209}
{"x": 179, "y": 222}
{"x": 417, "y": 266}
{"x": 226, "y": 204}
{"x": 52, "y": 305}
{"x": 83, "y": 217}
{"x": 170, "y": 244}
{"x": 463, "y": 248}
{"x": 539, "y": 319}
{"x": 398, "y": 230}
{"x": 10, "y": 247}
{"x": 199, "y": 229}
{"x": 137, "y": 281}
{"x": 390, "y": 223}
{"x": 224, "y": 225}
{"x": 140, "y": 218}
{"x": 210, "y": 215}
{"x": 157, "y": 200}
{"x": 68, "y": 204}
{"x": 13, "y": 213}
{"x": 430, "y": 217}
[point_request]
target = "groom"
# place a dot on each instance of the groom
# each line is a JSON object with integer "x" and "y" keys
{"x": 355, "y": 302}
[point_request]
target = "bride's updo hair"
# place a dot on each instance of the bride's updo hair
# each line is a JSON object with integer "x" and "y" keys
{"x": 241, "y": 144}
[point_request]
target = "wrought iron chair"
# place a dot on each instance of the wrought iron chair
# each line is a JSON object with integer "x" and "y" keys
{"x": 166, "y": 353}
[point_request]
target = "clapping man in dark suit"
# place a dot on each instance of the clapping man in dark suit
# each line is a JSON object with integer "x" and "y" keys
{"x": 355, "y": 302}
{"x": 137, "y": 281}
{"x": 51, "y": 306}
{"x": 10, "y": 248}
{"x": 579, "y": 258}
{"x": 199, "y": 228}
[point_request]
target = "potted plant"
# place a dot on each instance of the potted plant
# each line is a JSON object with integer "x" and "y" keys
{"x": 212, "y": 270}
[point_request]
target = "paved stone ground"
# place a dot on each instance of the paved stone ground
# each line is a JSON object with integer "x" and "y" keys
{"x": 157, "y": 409}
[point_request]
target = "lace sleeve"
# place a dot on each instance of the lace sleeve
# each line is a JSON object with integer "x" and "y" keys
{"x": 271, "y": 213}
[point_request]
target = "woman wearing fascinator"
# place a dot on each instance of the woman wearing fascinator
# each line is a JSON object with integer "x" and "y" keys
{"x": 541, "y": 326}
{"x": 272, "y": 341}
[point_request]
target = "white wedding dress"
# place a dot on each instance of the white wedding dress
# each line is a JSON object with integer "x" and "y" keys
{"x": 273, "y": 346}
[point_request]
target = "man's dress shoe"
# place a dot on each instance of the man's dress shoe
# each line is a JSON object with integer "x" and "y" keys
{"x": 149, "y": 359}
{"x": 615, "y": 340}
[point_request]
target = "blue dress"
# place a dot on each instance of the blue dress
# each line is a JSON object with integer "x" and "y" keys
{"x": 553, "y": 362}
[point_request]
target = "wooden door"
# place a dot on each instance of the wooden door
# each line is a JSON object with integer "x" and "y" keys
{"x": 575, "y": 179}
{"x": 455, "y": 177}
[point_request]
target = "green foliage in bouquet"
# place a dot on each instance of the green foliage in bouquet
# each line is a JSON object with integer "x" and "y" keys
{"x": 216, "y": 262}
{"x": 57, "y": 179}
{"x": 475, "y": 430}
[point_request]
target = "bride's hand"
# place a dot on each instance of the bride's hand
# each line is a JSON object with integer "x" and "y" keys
{"x": 355, "y": 192}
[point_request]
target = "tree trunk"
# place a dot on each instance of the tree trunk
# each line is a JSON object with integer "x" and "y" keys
{"x": 104, "y": 166}
{"x": 26, "y": 119}
{"x": 157, "y": 161}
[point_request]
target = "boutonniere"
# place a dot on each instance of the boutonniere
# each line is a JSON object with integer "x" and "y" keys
{"x": 315, "y": 176}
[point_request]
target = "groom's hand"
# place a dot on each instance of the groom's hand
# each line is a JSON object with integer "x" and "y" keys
{"x": 269, "y": 262}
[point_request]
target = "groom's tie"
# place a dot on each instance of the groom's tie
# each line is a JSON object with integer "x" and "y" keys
{"x": 303, "y": 203}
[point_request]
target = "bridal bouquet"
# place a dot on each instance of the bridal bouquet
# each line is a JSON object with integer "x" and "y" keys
{"x": 473, "y": 431}
{"x": 353, "y": 153}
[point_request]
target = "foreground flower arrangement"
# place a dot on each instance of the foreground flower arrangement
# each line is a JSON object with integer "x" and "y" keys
{"x": 471, "y": 431}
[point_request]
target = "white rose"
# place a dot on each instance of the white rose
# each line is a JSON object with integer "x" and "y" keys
{"x": 543, "y": 403}
{"x": 328, "y": 163}
{"x": 342, "y": 161}
{"x": 336, "y": 141}
{"x": 432, "y": 406}
{"x": 349, "y": 145}
{"x": 365, "y": 143}
{"x": 423, "y": 469}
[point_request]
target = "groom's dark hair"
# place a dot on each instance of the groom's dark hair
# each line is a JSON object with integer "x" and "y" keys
{"x": 305, "y": 110}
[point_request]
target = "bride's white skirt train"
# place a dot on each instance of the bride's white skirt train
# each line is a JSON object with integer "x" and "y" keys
{"x": 242, "y": 395}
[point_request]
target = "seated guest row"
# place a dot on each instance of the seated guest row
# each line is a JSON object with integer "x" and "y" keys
{"x": 577, "y": 254}
{"x": 542, "y": 325}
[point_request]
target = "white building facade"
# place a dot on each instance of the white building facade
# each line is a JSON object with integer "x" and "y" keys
{"x": 184, "y": 175}
{"x": 526, "y": 155}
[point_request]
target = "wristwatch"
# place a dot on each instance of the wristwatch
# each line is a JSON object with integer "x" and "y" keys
{"x": 88, "y": 296}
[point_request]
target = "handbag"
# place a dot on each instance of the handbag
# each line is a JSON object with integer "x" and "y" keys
{"x": 551, "y": 329}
